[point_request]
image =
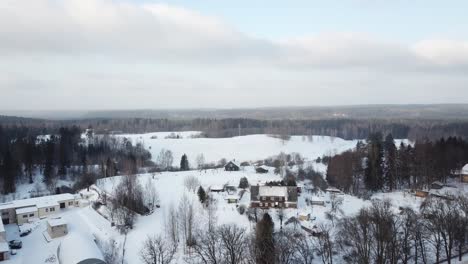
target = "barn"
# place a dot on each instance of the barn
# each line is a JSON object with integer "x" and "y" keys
{"x": 232, "y": 166}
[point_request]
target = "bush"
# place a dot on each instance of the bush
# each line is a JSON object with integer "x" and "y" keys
{"x": 241, "y": 209}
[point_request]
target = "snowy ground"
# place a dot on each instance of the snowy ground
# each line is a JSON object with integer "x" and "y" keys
{"x": 243, "y": 148}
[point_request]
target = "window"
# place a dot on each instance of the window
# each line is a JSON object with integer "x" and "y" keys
{"x": 264, "y": 198}
{"x": 31, "y": 215}
{"x": 47, "y": 210}
{"x": 261, "y": 204}
{"x": 25, "y": 216}
{"x": 52, "y": 209}
{"x": 70, "y": 203}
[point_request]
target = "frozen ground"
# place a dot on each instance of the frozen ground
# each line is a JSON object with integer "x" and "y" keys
{"x": 243, "y": 148}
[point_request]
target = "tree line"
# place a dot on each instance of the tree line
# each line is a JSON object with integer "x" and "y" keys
{"x": 378, "y": 164}
{"x": 64, "y": 155}
{"x": 228, "y": 127}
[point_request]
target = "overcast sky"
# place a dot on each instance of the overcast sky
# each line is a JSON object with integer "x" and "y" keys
{"x": 123, "y": 54}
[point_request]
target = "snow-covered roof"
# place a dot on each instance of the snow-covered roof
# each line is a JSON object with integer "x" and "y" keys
{"x": 216, "y": 188}
{"x": 465, "y": 169}
{"x": 26, "y": 210}
{"x": 88, "y": 251}
{"x": 278, "y": 191}
{"x": 56, "y": 222}
{"x": 46, "y": 203}
{"x": 37, "y": 201}
{"x": 4, "y": 246}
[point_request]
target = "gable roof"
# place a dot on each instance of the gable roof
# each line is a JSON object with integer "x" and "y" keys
{"x": 277, "y": 191}
{"x": 465, "y": 169}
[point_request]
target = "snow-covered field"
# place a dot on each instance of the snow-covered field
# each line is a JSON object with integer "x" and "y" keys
{"x": 243, "y": 148}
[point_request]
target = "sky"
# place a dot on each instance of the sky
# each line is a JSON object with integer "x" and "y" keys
{"x": 144, "y": 54}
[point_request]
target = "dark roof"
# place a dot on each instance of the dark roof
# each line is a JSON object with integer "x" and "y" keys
{"x": 254, "y": 189}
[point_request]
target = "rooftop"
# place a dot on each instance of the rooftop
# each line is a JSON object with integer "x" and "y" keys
{"x": 277, "y": 191}
{"x": 26, "y": 210}
{"x": 56, "y": 222}
{"x": 37, "y": 201}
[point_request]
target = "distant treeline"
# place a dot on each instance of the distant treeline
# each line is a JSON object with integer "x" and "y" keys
{"x": 378, "y": 164}
{"x": 63, "y": 155}
{"x": 344, "y": 128}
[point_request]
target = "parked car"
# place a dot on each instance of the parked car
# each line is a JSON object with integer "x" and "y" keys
{"x": 25, "y": 233}
{"x": 15, "y": 244}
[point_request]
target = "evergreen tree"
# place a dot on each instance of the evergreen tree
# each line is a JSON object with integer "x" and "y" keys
{"x": 373, "y": 173}
{"x": 9, "y": 173}
{"x": 264, "y": 241}
{"x": 28, "y": 159}
{"x": 184, "y": 164}
{"x": 49, "y": 173}
{"x": 201, "y": 195}
{"x": 389, "y": 170}
{"x": 244, "y": 183}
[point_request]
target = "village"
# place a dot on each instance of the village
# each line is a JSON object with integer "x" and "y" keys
{"x": 47, "y": 228}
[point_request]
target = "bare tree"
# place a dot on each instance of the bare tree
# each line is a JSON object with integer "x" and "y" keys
{"x": 304, "y": 249}
{"x": 285, "y": 248}
{"x": 324, "y": 244}
{"x": 233, "y": 243}
{"x": 112, "y": 251}
{"x": 187, "y": 219}
{"x": 172, "y": 227}
{"x": 165, "y": 159}
{"x": 156, "y": 250}
{"x": 207, "y": 250}
{"x": 200, "y": 159}
{"x": 191, "y": 183}
{"x": 151, "y": 195}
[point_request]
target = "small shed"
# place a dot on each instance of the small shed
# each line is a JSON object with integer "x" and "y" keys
{"x": 316, "y": 202}
{"x": 421, "y": 193}
{"x": 231, "y": 166}
{"x": 232, "y": 198}
{"x": 57, "y": 227}
{"x": 216, "y": 188}
{"x": 4, "y": 250}
{"x": 464, "y": 174}
{"x": 261, "y": 170}
{"x": 437, "y": 185}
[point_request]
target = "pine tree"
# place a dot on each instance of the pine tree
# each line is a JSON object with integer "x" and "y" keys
{"x": 201, "y": 195}
{"x": 9, "y": 173}
{"x": 373, "y": 173}
{"x": 390, "y": 162}
{"x": 184, "y": 164}
{"x": 244, "y": 183}
{"x": 264, "y": 241}
{"x": 49, "y": 173}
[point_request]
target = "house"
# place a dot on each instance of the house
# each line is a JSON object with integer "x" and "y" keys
{"x": 437, "y": 185}
{"x": 261, "y": 170}
{"x": 421, "y": 193}
{"x": 273, "y": 196}
{"x": 231, "y": 189}
{"x": 216, "y": 188}
{"x": 464, "y": 174}
{"x": 57, "y": 227}
{"x": 333, "y": 190}
{"x": 21, "y": 211}
{"x": 88, "y": 252}
{"x": 232, "y": 166}
{"x": 232, "y": 198}
{"x": 4, "y": 248}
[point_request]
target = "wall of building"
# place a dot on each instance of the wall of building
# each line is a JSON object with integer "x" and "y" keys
{"x": 24, "y": 218}
{"x": 57, "y": 231}
{"x": 49, "y": 210}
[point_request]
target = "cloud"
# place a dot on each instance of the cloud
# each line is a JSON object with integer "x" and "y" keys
{"x": 111, "y": 48}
